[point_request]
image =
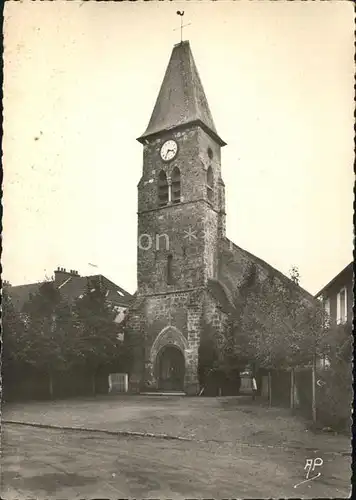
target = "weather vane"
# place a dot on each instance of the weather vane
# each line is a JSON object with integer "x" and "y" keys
{"x": 181, "y": 14}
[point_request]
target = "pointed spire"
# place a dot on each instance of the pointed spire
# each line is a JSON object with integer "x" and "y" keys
{"x": 181, "y": 99}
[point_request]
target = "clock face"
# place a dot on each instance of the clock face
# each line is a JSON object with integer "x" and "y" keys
{"x": 169, "y": 150}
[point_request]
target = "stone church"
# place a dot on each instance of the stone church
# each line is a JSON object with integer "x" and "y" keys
{"x": 187, "y": 269}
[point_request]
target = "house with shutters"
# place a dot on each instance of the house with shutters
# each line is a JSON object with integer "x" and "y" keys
{"x": 337, "y": 296}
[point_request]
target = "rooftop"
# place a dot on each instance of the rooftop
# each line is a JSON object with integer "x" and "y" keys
{"x": 347, "y": 270}
{"x": 181, "y": 99}
{"x": 71, "y": 286}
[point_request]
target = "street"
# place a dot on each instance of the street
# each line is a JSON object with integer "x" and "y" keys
{"x": 54, "y": 463}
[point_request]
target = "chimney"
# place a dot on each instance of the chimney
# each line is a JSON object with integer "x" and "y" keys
{"x": 61, "y": 274}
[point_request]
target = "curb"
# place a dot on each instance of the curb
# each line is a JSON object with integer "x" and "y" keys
{"x": 105, "y": 431}
{"x": 167, "y": 436}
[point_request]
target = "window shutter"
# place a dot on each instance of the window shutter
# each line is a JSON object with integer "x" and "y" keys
{"x": 163, "y": 196}
{"x": 175, "y": 197}
{"x": 341, "y": 306}
{"x": 344, "y": 312}
{"x": 338, "y": 308}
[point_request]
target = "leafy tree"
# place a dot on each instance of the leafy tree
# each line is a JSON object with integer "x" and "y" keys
{"x": 334, "y": 396}
{"x": 274, "y": 325}
{"x": 294, "y": 275}
{"x": 95, "y": 342}
{"x": 45, "y": 344}
{"x": 13, "y": 330}
{"x": 208, "y": 355}
{"x": 127, "y": 347}
{"x": 52, "y": 335}
{"x": 238, "y": 349}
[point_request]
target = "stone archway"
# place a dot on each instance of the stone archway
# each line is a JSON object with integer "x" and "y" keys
{"x": 170, "y": 368}
{"x": 167, "y": 359}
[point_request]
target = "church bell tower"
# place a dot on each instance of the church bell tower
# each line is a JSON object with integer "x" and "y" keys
{"x": 181, "y": 210}
{"x": 181, "y": 216}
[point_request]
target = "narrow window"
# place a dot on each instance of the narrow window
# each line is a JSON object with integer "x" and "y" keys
{"x": 175, "y": 186}
{"x": 341, "y": 307}
{"x": 170, "y": 270}
{"x": 210, "y": 184}
{"x": 162, "y": 189}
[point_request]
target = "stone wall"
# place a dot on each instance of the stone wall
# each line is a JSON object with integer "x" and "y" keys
{"x": 133, "y": 337}
{"x": 168, "y": 319}
{"x": 187, "y": 251}
{"x": 194, "y": 325}
{"x": 233, "y": 265}
{"x": 186, "y": 232}
{"x": 177, "y": 241}
{"x": 196, "y": 152}
{"x": 215, "y": 317}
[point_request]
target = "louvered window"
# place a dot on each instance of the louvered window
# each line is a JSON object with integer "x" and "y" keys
{"x": 162, "y": 189}
{"x": 176, "y": 185}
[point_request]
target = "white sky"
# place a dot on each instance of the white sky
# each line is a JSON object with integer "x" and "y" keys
{"x": 83, "y": 79}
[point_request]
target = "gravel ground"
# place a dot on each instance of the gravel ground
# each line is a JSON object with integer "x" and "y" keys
{"x": 47, "y": 463}
{"x": 231, "y": 420}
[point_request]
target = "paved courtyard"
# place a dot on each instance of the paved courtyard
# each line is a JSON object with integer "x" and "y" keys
{"x": 233, "y": 448}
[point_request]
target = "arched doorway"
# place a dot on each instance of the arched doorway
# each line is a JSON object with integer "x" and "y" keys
{"x": 170, "y": 369}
